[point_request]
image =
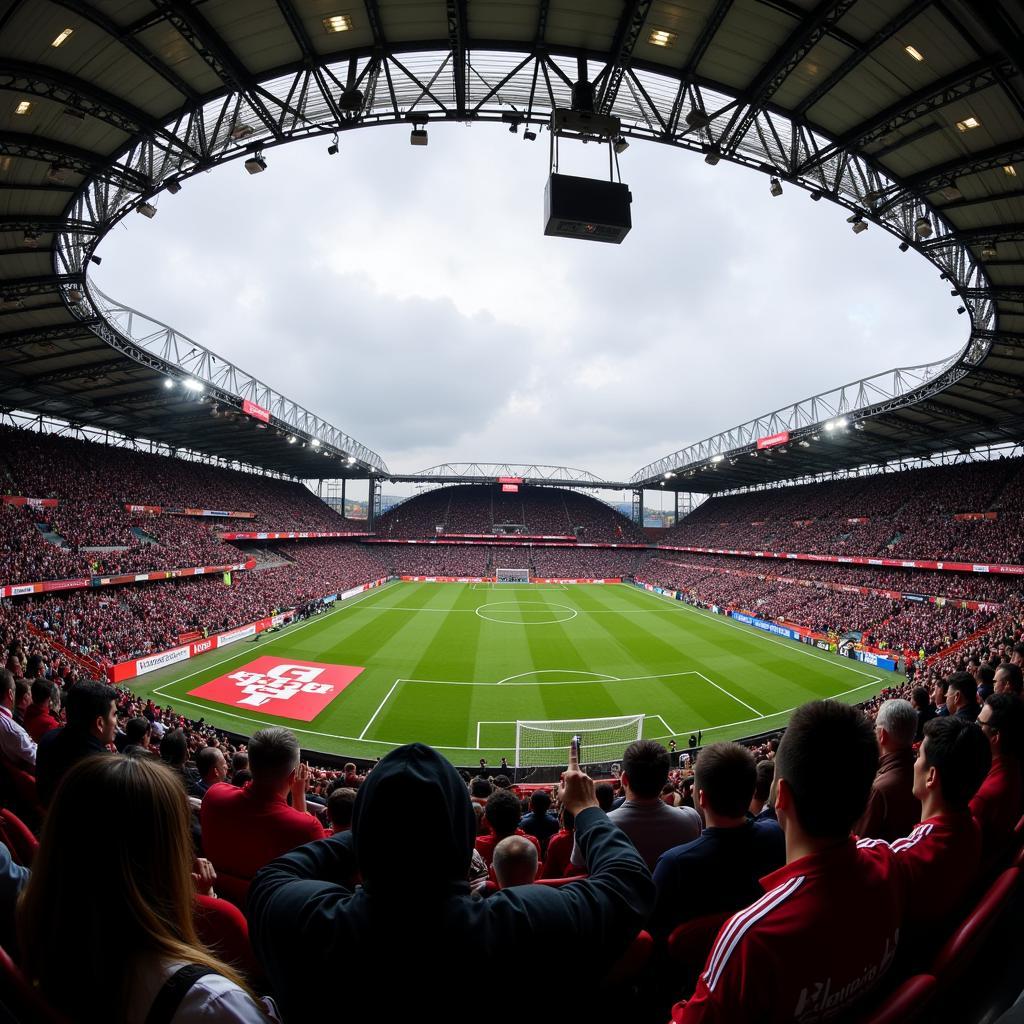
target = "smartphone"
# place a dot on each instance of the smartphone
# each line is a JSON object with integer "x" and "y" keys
{"x": 576, "y": 744}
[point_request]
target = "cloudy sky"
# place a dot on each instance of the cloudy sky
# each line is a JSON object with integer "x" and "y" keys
{"x": 409, "y": 296}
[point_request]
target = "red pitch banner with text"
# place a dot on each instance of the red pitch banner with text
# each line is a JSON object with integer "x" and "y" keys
{"x": 9, "y": 499}
{"x": 257, "y": 412}
{"x": 773, "y": 440}
{"x": 276, "y": 686}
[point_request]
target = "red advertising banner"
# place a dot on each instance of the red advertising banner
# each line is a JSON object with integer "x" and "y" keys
{"x": 9, "y": 499}
{"x": 773, "y": 440}
{"x": 858, "y": 519}
{"x": 20, "y": 589}
{"x": 510, "y": 488}
{"x": 299, "y": 690}
{"x": 257, "y": 412}
{"x": 970, "y": 516}
{"x": 510, "y": 479}
{"x": 287, "y": 535}
{"x": 151, "y": 509}
{"x": 160, "y": 509}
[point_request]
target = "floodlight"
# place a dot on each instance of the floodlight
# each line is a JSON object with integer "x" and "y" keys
{"x": 717, "y": 458}
{"x": 315, "y": 443}
{"x": 292, "y": 439}
{"x": 712, "y": 156}
{"x": 620, "y": 144}
{"x": 256, "y": 164}
{"x": 775, "y": 187}
{"x": 923, "y": 227}
{"x": 858, "y": 426}
{"x": 23, "y": 107}
{"x": 96, "y": 259}
{"x": 74, "y": 296}
{"x": 914, "y": 52}
{"x": 960, "y": 310}
{"x": 904, "y": 246}
{"x": 351, "y": 459}
{"x": 859, "y": 226}
{"x": 146, "y": 209}
{"x": 951, "y": 192}
{"x": 30, "y": 239}
{"x": 332, "y": 149}
{"x": 62, "y": 37}
{"x": 530, "y": 136}
{"x": 351, "y": 101}
{"x": 418, "y": 137}
{"x": 815, "y": 194}
{"x": 57, "y": 174}
{"x": 805, "y": 444}
{"x": 168, "y": 383}
{"x": 174, "y": 187}
{"x": 697, "y": 119}
{"x": 193, "y": 385}
{"x": 241, "y": 131}
{"x": 989, "y": 251}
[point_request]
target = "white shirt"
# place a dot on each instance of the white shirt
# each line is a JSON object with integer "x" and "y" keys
{"x": 15, "y": 744}
{"x": 213, "y": 999}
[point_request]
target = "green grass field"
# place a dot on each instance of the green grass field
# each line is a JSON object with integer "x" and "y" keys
{"x": 455, "y": 665}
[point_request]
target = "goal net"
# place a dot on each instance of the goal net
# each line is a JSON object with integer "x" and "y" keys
{"x": 512, "y": 575}
{"x": 601, "y": 739}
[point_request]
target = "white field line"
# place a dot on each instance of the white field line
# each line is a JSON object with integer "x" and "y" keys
{"x": 595, "y": 676}
{"x": 750, "y": 631}
{"x": 733, "y": 696}
{"x": 366, "y": 728}
{"x": 236, "y": 651}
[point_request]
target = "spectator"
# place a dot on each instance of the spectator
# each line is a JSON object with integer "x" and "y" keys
{"x": 174, "y": 754}
{"x": 515, "y": 862}
{"x": 243, "y": 829}
{"x": 503, "y": 813}
{"x": 22, "y": 699}
{"x": 339, "y": 808}
{"x": 480, "y": 789}
{"x": 924, "y": 708}
{"x": 212, "y": 768}
{"x": 131, "y": 888}
{"x": 556, "y": 860}
{"x": 540, "y": 823}
{"x": 16, "y": 746}
{"x": 997, "y": 804}
{"x": 941, "y": 857}
{"x": 39, "y": 718}
{"x": 605, "y": 793}
{"x": 962, "y": 696}
{"x": 91, "y": 710}
{"x": 892, "y": 809}
{"x": 305, "y": 925}
{"x": 759, "y": 804}
{"x": 1009, "y": 679}
{"x": 652, "y": 826}
{"x": 138, "y": 737}
{"x": 720, "y": 871}
{"x": 780, "y": 958}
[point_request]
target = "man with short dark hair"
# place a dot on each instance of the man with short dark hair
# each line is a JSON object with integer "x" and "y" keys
{"x": 962, "y": 696}
{"x": 340, "y": 802}
{"x": 540, "y": 823}
{"x": 503, "y": 813}
{"x": 1009, "y": 679}
{"x": 825, "y": 931}
{"x": 720, "y": 871}
{"x": 212, "y": 768}
{"x": 892, "y": 809}
{"x": 941, "y": 857}
{"x": 652, "y": 826}
{"x": 924, "y": 708}
{"x": 997, "y": 804}
{"x": 39, "y": 717}
{"x": 479, "y": 790}
{"x": 174, "y": 754}
{"x": 16, "y": 745}
{"x": 243, "y": 829}
{"x": 91, "y": 710}
{"x": 759, "y": 805}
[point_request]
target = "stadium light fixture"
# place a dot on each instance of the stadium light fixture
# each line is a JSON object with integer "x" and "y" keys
{"x": 950, "y": 192}
{"x": 697, "y": 119}
{"x": 923, "y": 227}
{"x": 96, "y": 259}
{"x": 815, "y": 194}
{"x": 418, "y": 137}
{"x": 338, "y": 23}
{"x": 256, "y": 164}
{"x": 775, "y": 187}
{"x": 662, "y": 37}
{"x": 968, "y": 123}
{"x": 1009, "y": 170}
{"x": 57, "y": 174}
{"x": 712, "y": 156}
{"x": 292, "y": 439}
{"x": 62, "y": 38}
{"x": 332, "y": 149}
{"x": 530, "y": 136}
{"x": 858, "y": 426}
{"x": 351, "y": 460}
{"x": 240, "y": 131}
{"x": 960, "y": 310}
{"x": 859, "y": 226}
{"x": 168, "y": 383}
{"x": 904, "y": 246}
{"x": 914, "y": 52}
{"x": 315, "y": 442}
{"x": 30, "y": 239}
{"x": 23, "y": 107}
{"x": 717, "y": 458}
{"x": 193, "y": 385}
{"x": 74, "y": 296}
{"x": 147, "y": 210}
{"x": 805, "y": 444}
{"x": 174, "y": 187}
{"x": 621, "y": 145}
{"x": 989, "y": 251}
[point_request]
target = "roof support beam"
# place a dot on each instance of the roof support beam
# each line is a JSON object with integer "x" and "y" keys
{"x": 376, "y": 25}
{"x": 911, "y": 11}
{"x": 126, "y": 39}
{"x": 964, "y": 82}
{"x": 631, "y": 23}
{"x": 23, "y": 286}
{"x": 297, "y": 29}
{"x": 977, "y": 236}
{"x": 83, "y": 161}
{"x": 801, "y": 41}
{"x": 973, "y": 163}
{"x": 458, "y": 39}
{"x": 962, "y": 204}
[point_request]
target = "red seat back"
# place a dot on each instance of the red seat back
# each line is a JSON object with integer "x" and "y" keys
{"x": 21, "y": 999}
{"x": 957, "y": 954}
{"x": 633, "y": 961}
{"x": 906, "y": 1003}
{"x": 15, "y": 835}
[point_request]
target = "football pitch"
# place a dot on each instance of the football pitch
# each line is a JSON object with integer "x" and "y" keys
{"x": 456, "y": 665}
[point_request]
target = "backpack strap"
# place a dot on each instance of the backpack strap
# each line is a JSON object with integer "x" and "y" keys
{"x": 173, "y": 993}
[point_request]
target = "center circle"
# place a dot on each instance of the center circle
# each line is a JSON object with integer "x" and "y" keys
{"x": 512, "y": 613}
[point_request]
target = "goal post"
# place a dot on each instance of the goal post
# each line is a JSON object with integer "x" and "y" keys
{"x": 546, "y": 743}
{"x": 512, "y": 575}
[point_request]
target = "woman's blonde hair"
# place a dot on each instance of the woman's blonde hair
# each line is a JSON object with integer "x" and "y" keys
{"x": 111, "y": 884}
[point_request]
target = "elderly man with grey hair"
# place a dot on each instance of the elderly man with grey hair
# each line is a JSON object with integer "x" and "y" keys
{"x": 515, "y": 862}
{"x": 892, "y": 809}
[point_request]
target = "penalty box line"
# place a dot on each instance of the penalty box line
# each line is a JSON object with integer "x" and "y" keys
{"x": 512, "y": 721}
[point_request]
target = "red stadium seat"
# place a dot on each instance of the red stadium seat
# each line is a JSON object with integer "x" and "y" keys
{"x": 22, "y": 790}
{"x": 233, "y": 888}
{"x": 18, "y": 996}
{"x": 222, "y": 927}
{"x": 633, "y": 961}
{"x": 904, "y": 1004}
{"x": 957, "y": 954}
{"x": 15, "y": 835}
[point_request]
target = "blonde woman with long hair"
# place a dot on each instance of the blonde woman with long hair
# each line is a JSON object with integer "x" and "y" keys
{"x": 105, "y": 924}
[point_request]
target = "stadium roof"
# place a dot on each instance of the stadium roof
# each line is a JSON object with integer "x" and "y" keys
{"x": 897, "y": 112}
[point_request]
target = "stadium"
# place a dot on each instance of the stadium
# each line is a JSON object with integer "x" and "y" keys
{"x": 182, "y": 548}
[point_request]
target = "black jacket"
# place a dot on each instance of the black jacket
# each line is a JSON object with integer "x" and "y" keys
{"x": 411, "y": 942}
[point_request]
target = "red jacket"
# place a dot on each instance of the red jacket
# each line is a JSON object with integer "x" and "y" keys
{"x": 939, "y": 862}
{"x": 822, "y": 936}
{"x": 39, "y": 721}
{"x": 243, "y": 829}
{"x": 997, "y": 805}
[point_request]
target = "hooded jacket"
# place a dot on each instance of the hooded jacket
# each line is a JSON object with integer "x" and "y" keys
{"x": 412, "y": 939}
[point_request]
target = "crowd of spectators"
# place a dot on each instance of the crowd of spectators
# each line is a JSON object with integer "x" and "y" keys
{"x": 485, "y": 509}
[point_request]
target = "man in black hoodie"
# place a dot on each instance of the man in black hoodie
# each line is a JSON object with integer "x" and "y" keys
{"x": 411, "y": 941}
